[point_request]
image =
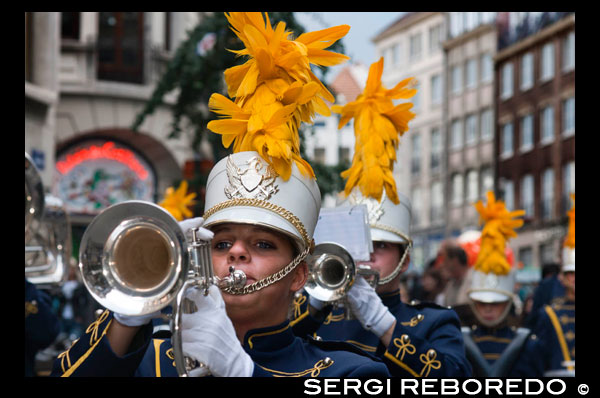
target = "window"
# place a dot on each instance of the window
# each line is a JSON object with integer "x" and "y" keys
{"x": 526, "y": 71}
{"x": 527, "y": 195}
{"x": 320, "y": 155}
{"x": 416, "y": 99}
{"x": 168, "y": 24}
{"x": 507, "y": 81}
{"x": 415, "y": 154}
{"x": 28, "y": 45}
{"x": 472, "y": 186}
{"x": 568, "y": 52}
{"x": 547, "y": 71}
{"x": 436, "y": 149}
{"x": 547, "y": 125}
{"x": 435, "y": 38}
{"x": 507, "y": 140}
{"x": 417, "y": 201}
{"x": 387, "y": 54}
{"x": 487, "y": 180}
{"x": 568, "y": 116}
{"x": 526, "y": 133}
{"x": 457, "y": 189}
{"x": 487, "y": 68}
{"x": 457, "y": 79}
{"x": 547, "y": 253}
{"x": 69, "y": 25}
{"x": 471, "y": 129}
{"x": 437, "y": 202}
{"x": 344, "y": 155}
{"x": 436, "y": 89}
{"x": 509, "y": 194}
{"x": 456, "y": 134}
{"x": 471, "y": 73}
{"x": 568, "y": 186}
{"x": 487, "y": 124}
{"x": 120, "y": 46}
{"x": 547, "y": 193}
{"x": 415, "y": 47}
{"x": 526, "y": 256}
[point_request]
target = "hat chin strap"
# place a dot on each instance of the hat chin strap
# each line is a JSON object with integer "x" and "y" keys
{"x": 271, "y": 279}
{"x": 396, "y": 271}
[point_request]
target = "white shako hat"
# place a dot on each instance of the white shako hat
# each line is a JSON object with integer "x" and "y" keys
{"x": 243, "y": 188}
{"x": 491, "y": 287}
{"x": 389, "y": 222}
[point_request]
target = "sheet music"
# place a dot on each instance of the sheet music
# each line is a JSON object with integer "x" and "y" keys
{"x": 347, "y": 226}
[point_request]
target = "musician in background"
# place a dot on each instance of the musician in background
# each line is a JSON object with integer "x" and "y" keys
{"x": 260, "y": 214}
{"x": 556, "y": 321}
{"x": 42, "y": 325}
{"x": 413, "y": 340}
{"x": 495, "y": 346}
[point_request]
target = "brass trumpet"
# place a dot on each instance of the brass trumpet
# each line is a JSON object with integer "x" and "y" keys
{"x": 332, "y": 272}
{"x": 47, "y": 233}
{"x": 135, "y": 260}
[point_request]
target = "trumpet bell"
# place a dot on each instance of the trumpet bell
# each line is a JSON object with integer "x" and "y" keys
{"x": 331, "y": 272}
{"x": 133, "y": 258}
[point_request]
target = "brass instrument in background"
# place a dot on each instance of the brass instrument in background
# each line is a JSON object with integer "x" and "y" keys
{"x": 135, "y": 260}
{"x": 332, "y": 272}
{"x": 47, "y": 233}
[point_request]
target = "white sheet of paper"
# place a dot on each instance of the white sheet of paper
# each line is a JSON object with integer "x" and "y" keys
{"x": 347, "y": 226}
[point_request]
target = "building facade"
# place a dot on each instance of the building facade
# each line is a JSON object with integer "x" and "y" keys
{"x": 535, "y": 144}
{"x": 412, "y": 47}
{"x": 87, "y": 76}
{"x": 468, "y": 118}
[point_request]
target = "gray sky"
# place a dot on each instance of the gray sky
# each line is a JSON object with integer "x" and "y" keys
{"x": 363, "y": 27}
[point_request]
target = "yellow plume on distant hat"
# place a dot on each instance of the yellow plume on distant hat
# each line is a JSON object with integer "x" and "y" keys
{"x": 274, "y": 90}
{"x": 499, "y": 227}
{"x": 570, "y": 239}
{"x": 177, "y": 201}
{"x": 378, "y": 125}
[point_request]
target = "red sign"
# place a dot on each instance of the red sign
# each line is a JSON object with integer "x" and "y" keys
{"x": 106, "y": 151}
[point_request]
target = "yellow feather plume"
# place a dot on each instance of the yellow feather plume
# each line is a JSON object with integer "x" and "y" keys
{"x": 274, "y": 90}
{"x": 499, "y": 227}
{"x": 177, "y": 201}
{"x": 570, "y": 239}
{"x": 378, "y": 125}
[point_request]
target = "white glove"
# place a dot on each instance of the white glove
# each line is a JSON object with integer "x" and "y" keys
{"x": 316, "y": 303}
{"x": 187, "y": 225}
{"x": 136, "y": 320}
{"x": 368, "y": 308}
{"x": 208, "y": 336}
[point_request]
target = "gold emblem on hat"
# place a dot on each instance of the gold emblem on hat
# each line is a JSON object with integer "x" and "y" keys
{"x": 374, "y": 207}
{"x": 257, "y": 181}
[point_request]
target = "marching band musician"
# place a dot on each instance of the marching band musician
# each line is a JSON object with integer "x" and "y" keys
{"x": 413, "y": 340}
{"x": 42, "y": 325}
{"x": 555, "y": 326}
{"x": 261, "y": 208}
{"x": 494, "y": 347}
